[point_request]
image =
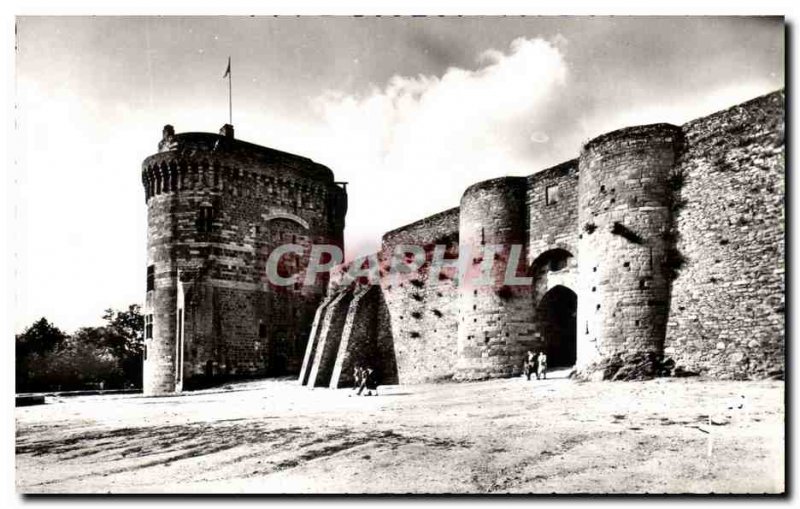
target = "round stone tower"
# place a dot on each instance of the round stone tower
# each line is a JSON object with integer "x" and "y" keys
{"x": 492, "y": 214}
{"x": 216, "y": 208}
{"x": 624, "y": 216}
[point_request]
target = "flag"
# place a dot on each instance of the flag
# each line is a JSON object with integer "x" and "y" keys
{"x": 228, "y": 70}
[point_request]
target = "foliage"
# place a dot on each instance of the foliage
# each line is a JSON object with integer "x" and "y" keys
{"x": 107, "y": 357}
{"x": 75, "y": 366}
{"x": 125, "y": 338}
{"x": 38, "y": 340}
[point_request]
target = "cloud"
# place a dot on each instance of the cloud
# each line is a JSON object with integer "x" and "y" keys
{"x": 411, "y": 147}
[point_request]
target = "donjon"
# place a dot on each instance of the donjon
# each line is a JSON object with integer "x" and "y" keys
{"x": 659, "y": 250}
{"x": 216, "y": 208}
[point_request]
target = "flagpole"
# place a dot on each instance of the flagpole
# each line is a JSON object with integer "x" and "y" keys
{"x": 230, "y": 94}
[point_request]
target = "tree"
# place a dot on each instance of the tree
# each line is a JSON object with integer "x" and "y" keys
{"x": 36, "y": 342}
{"x": 80, "y": 364}
{"x": 111, "y": 355}
{"x": 41, "y": 338}
{"x": 125, "y": 338}
{"x": 122, "y": 338}
{"x": 126, "y": 330}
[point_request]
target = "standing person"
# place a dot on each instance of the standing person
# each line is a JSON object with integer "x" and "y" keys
{"x": 356, "y": 377}
{"x": 372, "y": 381}
{"x": 368, "y": 381}
{"x": 542, "y": 367}
{"x": 530, "y": 364}
{"x": 362, "y": 380}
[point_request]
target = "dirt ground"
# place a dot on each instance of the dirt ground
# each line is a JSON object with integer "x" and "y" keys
{"x": 500, "y": 436}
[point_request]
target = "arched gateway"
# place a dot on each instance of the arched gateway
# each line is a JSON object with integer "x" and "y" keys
{"x": 555, "y": 315}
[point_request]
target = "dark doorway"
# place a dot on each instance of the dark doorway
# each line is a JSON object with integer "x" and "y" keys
{"x": 556, "y": 316}
{"x": 277, "y": 353}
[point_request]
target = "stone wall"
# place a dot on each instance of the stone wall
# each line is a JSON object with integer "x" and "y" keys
{"x": 386, "y": 354}
{"x": 428, "y": 231}
{"x": 727, "y": 314}
{"x": 423, "y": 319}
{"x": 553, "y": 223}
{"x": 422, "y": 311}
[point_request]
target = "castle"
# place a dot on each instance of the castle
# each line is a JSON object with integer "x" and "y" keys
{"x": 659, "y": 250}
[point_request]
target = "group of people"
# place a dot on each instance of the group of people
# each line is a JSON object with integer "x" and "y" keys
{"x": 365, "y": 378}
{"x": 536, "y": 363}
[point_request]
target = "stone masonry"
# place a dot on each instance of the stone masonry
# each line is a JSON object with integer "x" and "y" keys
{"x": 216, "y": 208}
{"x": 658, "y": 251}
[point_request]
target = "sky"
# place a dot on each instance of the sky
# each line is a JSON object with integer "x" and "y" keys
{"x": 409, "y": 111}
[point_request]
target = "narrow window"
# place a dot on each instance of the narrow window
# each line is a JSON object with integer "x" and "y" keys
{"x": 262, "y": 330}
{"x": 148, "y": 326}
{"x": 205, "y": 218}
{"x": 151, "y": 277}
{"x": 551, "y": 194}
